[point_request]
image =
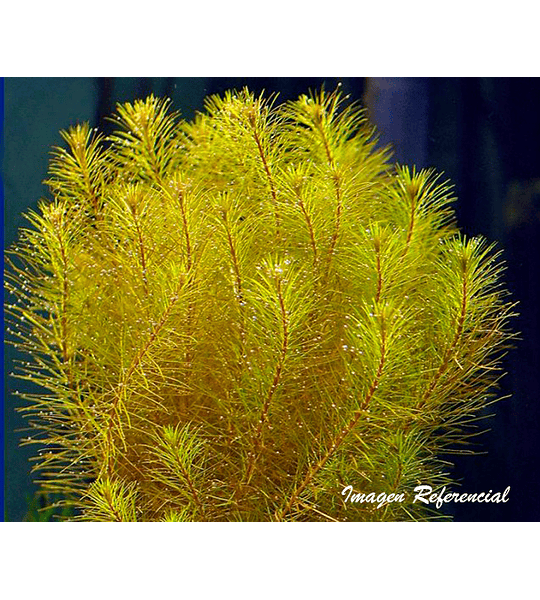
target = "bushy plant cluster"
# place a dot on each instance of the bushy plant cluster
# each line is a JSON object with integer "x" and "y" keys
{"x": 235, "y": 318}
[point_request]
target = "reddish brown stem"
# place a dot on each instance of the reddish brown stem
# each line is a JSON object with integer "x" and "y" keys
{"x": 268, "y": 175}
{"x": 340, "y": 437}
{"x": 448, "y": 354}
{"x": 257, "y": 438}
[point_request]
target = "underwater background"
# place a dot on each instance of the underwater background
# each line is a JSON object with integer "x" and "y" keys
{"x": 483, "y": 133}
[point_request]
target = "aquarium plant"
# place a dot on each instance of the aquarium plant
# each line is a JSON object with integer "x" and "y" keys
{"x": 235, "y": 318}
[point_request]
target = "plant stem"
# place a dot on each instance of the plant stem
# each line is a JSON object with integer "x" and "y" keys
{"x": 257, "y": 438}
{"x": 279, "y": 516}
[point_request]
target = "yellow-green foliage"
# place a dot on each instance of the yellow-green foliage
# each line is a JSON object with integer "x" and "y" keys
{"x": 235, "y": 318}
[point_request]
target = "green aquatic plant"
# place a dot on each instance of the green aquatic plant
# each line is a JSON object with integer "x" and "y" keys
{"x": 235, "y": 318}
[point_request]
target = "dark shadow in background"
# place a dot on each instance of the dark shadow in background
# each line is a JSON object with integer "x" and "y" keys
{"x": 482, "y": 132}
{"x": 485, "y": 135}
